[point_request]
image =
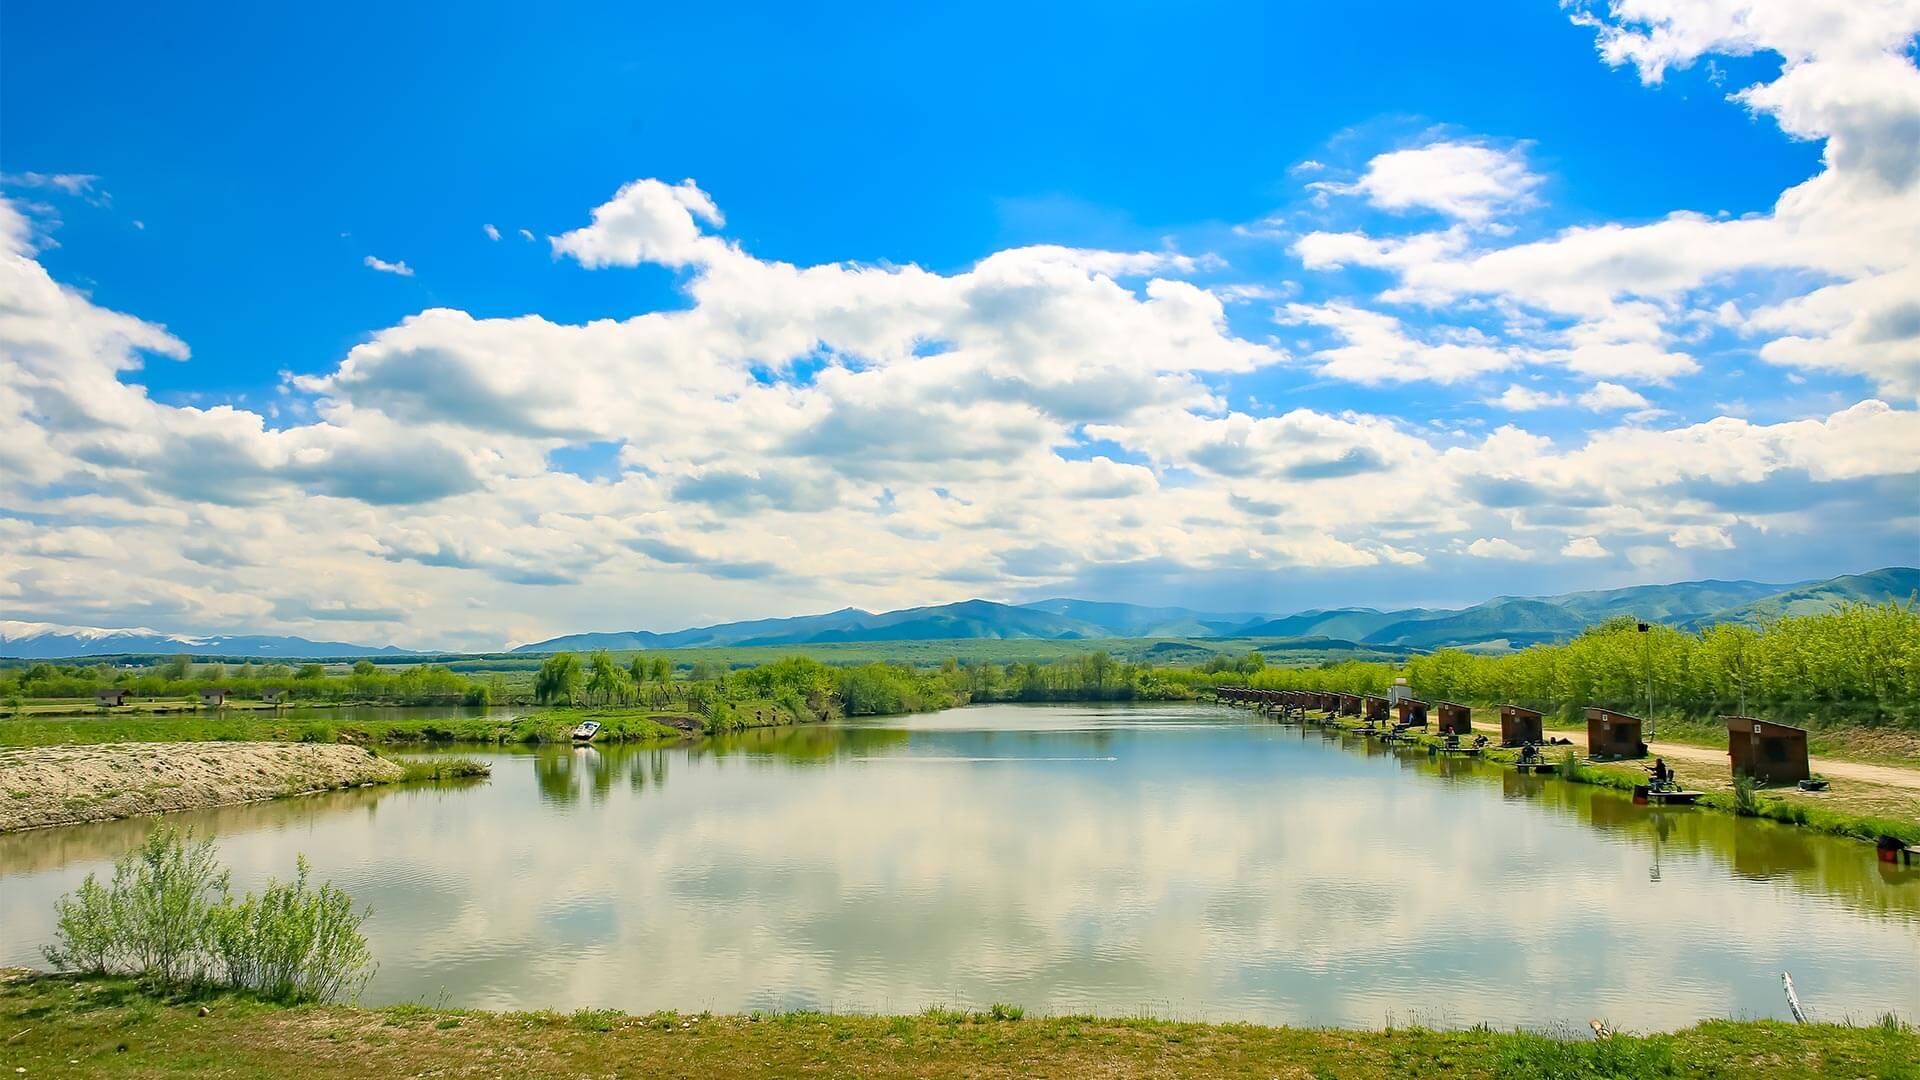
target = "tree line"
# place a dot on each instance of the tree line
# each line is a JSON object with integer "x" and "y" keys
{"x": 1863, "y": 657}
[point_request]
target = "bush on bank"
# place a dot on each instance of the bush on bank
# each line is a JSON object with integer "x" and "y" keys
{"x": 169, "y": 918}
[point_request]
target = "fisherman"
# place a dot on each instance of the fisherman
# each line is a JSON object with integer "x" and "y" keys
{"x": 1661, "y": 774}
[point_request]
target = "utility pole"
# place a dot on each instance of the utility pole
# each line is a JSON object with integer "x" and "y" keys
{"x": 1646, "y": 660}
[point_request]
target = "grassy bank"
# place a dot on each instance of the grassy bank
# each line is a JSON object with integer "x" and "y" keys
{"x": 1849, "y": 819}
{"x": 618, "y": 725}
{"x": 111, "y": 1027}
{"x": 1756, "y": 803}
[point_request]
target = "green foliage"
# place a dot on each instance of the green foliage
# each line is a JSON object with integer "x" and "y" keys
{"x": 558, "y": 680}
{"x": 607, "y": 682}
{"x": 1861, "y": 656}
{"x": 169, "y": 917}
{"x": 152, "y": 920}
{"x": 1536, "y": 1057}
{"x": 292, "y": 943}
{"x": 1858, "y": 654}
{"x": 458, "y": 768}
{"x": 1745, "y": 803}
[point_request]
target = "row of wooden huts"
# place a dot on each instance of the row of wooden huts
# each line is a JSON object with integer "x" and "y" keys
{"x": 1768, "y": 752}
{"x": 113, "y": 697}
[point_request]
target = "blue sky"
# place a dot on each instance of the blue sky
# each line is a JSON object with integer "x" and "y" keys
{"x": 1366, "y": 194}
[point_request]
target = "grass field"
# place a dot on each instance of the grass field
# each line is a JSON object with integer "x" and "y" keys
{"x": 63, "y": 1026}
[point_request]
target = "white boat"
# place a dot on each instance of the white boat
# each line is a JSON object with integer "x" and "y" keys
{"x": 586, "y": 731}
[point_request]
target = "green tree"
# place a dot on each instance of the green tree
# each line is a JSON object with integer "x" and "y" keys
{"x": 558, "y": 680}
{"x": 606, "y": 681}
{"x": 365, "y": 667}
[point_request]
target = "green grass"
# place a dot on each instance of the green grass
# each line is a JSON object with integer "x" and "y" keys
{"x": 109, "y": 1027}
{"x": 458, "y": 768}
{"x": 552, "y": 726}
{"x": 1835, "y": 822}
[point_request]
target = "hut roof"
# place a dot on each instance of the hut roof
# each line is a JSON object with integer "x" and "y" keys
{"x": 1765, "y": 727}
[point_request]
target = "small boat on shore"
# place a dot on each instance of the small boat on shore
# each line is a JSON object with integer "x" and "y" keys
{"x": 1665, "y": 794}
{"x": 586, "y": 730}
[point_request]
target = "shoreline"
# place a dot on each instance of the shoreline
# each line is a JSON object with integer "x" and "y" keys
{"x": 1797, "y": 811}
{"x": 56, "y": 786}
{"x": 70, "y": 1025}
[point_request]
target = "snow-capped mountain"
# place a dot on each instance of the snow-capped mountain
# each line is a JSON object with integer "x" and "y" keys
{"x": 45, "y": 641}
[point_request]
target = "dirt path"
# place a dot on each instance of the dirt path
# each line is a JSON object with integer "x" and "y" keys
{"x": 1884, "y": 775}
{"x": 64, "y": 785}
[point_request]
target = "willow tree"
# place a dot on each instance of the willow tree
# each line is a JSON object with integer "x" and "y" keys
{"x": 558, "y": 680}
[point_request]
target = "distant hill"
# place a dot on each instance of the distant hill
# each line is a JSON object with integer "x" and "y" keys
{"x": 1876, "y": 586}
{"x": 1353, "y": 624}
{"x": 1520, "y": 622}
{"x": 1504, "y": 621}
{"x": 48, "y": 641}
{"x": 1681, "y": 602}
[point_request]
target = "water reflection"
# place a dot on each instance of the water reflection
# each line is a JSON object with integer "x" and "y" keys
{"x": 1172, "y": 859}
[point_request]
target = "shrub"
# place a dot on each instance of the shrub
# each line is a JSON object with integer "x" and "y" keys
{"x": 293, "y": 943}
{"x": 169, "y": 917}
{"x": 152, "y": 920}
{"x": 1744, "y": 802}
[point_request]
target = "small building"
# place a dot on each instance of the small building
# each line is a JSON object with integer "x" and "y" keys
{"x": 1349, "y": 704}
{"x": 1455, "y": 719}
{"x": 1413, "y": 712}
{"x": 1399, "y": 692}
{"x": 1375, "y": 709}
{"x": 277, "y": 695}
{"x": 112, "y": 696}
{"x": 1770, "y": 753}
{"x": 1613, "y": 735}
{"x": 213, "y": 696}
{"x": 1520, "y": 726}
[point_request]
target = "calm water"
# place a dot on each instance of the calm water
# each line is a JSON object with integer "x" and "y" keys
{"x": 1181, "y": 860}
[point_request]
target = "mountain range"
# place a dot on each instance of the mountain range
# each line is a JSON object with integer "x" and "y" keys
{"x": 47, "y": 641}
{"x": 1502, "y": 622}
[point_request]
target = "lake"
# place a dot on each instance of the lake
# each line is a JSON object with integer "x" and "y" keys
{"x": 1181, "y": 860}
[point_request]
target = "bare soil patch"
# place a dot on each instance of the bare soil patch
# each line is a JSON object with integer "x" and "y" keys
{"x": 65, "y": 785}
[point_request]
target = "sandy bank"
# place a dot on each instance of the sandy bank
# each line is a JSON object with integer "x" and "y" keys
{"x": 64, "y": 785}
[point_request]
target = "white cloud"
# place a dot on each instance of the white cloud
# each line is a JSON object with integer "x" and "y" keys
{"x": 1853, "y": 229}
{"x": 646, "y": 221}
{"x": 492, "y": 232}
{"x": 1521, "y": 399}
{"x": 1609, "y": 397}
{"x": 68, "y": 183}
{"x": 1378, "y": 348}
{"x": 1701, "y": 536}
{"x": 527, "y": 234}
{"x": 375, "y": 263}
{"x": 1494, "y": 547}
{"x": 791, "y": 437}
{"x": 1463, "y": 180}
{"x": 1584, "y": 547}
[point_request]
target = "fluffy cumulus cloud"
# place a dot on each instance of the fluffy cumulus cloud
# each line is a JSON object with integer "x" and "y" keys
{"x": 1615, "y": 301}
{"x": 790, "y": 437}
{"x": 1460, "y": 180}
